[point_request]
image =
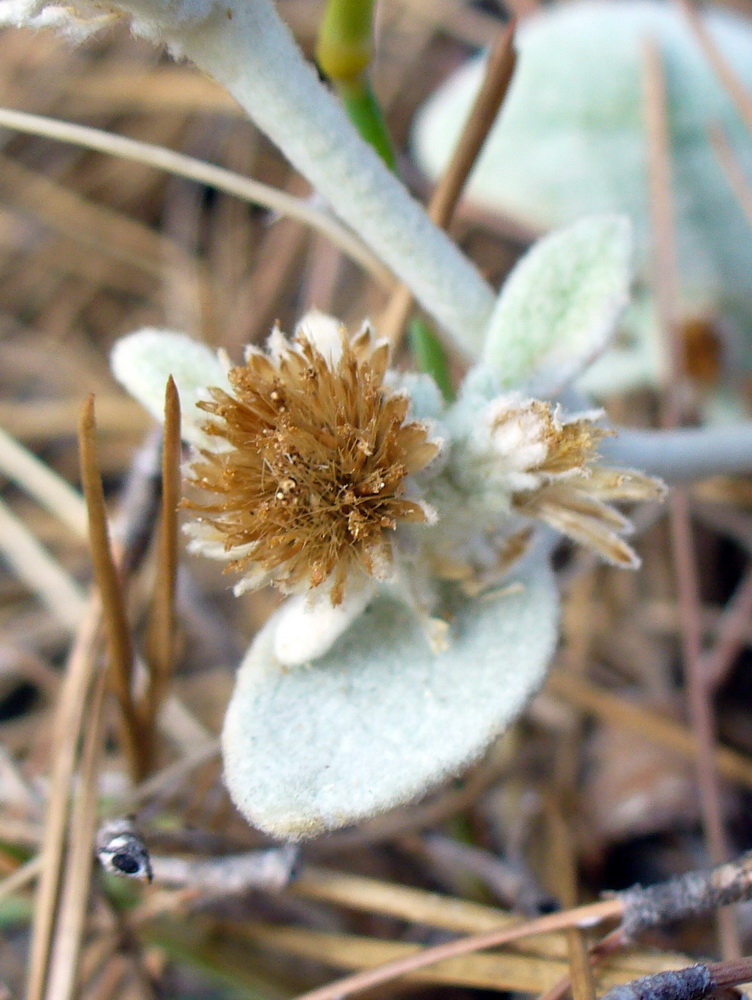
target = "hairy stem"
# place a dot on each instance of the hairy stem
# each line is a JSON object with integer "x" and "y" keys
{"x": 685, "y": 454}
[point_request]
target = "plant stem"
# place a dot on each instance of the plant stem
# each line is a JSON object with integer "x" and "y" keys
{"x": 343, "y": 52}
{"x": 247, "y": 48}
{"x": 685, "y": 454}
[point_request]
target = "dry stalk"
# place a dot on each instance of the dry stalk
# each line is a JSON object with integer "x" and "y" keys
{"x": 648, "y": 723}
{"x": 498, "y": 76}
{"x": 161, "y": 630}
{"x": 660, "y": 200}
{"x": 120, "y": 651}
{"x": 74, "y": 697}
{"x": 637, "y": 909}
{"x": 40, "y": 571}
{"x": 732, "y": 168}
{"x": 731, "y": 636}
{"x": 717, "y": 61}
{"x": 47, "y": 487}
{"x": 203, "y": 173}
{"x": 74, "y": 897}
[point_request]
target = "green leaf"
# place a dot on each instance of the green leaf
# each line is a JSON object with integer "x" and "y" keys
{"x": 559, "y": 307}
{"x": 380, "y": 719}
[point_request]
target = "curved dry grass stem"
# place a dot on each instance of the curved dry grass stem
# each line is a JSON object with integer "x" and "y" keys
{"x": 661, "y": 210}
{"x": 203, "y": 173}
{"x": 108, "y": 582}
{"x": 69, "y": 716}
{"x": 729, "y": 162}
{"x": 733, "y": 86}
{"x": 583, "y": 916}
{"x": 647, "y": 723}
{"x": 40, "y": 571}
{"x": 47, "y": 487}
{"x": 483, "y": 114}
{"x": 74, "y": 898}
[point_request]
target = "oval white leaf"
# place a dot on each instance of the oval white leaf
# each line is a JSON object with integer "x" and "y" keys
{"x": 380, "y": 719}
{"x": 143, "y": 361}
{"x": 559, "y": 307}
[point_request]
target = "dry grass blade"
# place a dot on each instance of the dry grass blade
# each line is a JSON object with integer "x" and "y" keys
{"x": 41, "y": 573}
{"x": 496, "y": 80}
{"x": 646, "y": 723}
{"x": 161, "y": 634}
{"x": 450, "y": 913}
{"x": 732, "y": 168}
{"x": 590, "y": 915}
{"x": 205, "y": 173}
{"x": 108, "y": 233}
{"x": 730, "y": 81}
{"x": 526, "y": 974}
{"x": 49, "y": 489}
{"x": 731, "y": 638}
{"x": 563, "y": 867}
{"x": 21, "y": 876}
{"x": 74, "y": 898}
{"x": 685, "y": 563}
{"x": 108, "y": 583}
{"x": 68, "y": 723}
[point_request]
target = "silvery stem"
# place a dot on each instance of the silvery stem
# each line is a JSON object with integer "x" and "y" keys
{"x": 245, "y": 46}
{"x": 683, "y": 455}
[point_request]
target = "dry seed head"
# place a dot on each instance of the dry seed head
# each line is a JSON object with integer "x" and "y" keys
{"x": 312, "y": 485}
{"x": 573, "y": 490}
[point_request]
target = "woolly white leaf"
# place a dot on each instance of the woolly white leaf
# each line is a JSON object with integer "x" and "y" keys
{"x": 570, "y": 140}
{"x": 144, "y": 360}
{"x": 559, "y": 307}
{"x": 380, "y": 719}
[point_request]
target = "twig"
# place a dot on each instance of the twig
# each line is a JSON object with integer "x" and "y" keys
{"x": 637, "y": 908}
{"x": 122, "y": 851}
{"x": 203, "y": 173}
{"x": 496, "y": 80}
{"x": 109, "y": 586}
{"x": 666, "y": 280}
{"x": 719, "y": 64}
{"x": 692, "y": 983}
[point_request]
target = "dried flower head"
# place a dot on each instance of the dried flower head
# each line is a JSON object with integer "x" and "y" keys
{"x": 308, "y": 482}
{"x": 559, "y": 480}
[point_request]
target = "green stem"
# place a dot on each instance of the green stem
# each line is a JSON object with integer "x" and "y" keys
{"x": 343, "y": 47}
{"x": 365, "y": 113}
{"x": 343, "y": 52}
{"x": 430, "y": 355}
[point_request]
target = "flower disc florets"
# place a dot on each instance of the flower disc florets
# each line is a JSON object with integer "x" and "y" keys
{"x": 308, "y": 480}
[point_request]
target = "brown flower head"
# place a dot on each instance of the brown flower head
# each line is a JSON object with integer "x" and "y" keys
{"x": 307, "y": 483}
{"x": 569, "y": 489}
{"x": 527, "y": 462}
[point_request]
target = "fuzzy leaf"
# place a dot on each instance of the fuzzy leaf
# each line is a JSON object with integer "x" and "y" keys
{"x": 570, "y": 140}
{"x": 559, "y": 307}
{"x": 380, "y": 719}
{"x": 144, "y": 360}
